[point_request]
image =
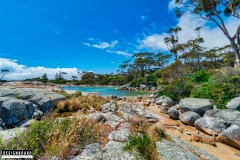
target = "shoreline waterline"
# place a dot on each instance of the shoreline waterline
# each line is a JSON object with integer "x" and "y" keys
{"x": 104, "y": 91}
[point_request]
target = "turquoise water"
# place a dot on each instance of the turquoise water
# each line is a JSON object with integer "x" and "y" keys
{"x": 107, "y": 91}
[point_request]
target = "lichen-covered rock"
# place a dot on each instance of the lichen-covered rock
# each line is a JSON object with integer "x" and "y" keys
{"x": 113, "y": 119}
{"x": 173, "y": 113}
{"x": 109, "y": 107}
{"x": 177, "y": 149}
{"x": 90, "y": 152}
{"x": 234, "y": 104}
{"x": 197, "y": 105}
{"x": 231, "y": 136}
{"x": 227, "y": 116}
{"x": 11, "y": 133}
{"x": 120, "y": 135}
{"x": 189, "y": 117}
{"x": 210, "y": 125}
{"x": 113, "y": 151}
{"x": 97, "y": 117}
{"x": 2, "y": 126}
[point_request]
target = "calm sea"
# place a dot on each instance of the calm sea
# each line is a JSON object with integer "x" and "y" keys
{"x": 107, "y": 91}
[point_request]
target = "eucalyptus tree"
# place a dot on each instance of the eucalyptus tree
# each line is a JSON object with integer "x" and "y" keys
{"x": 172, "y": 41}
{"x": 161, "y": 60}
{"x": 214, "y": 11}
{"x": 193, "y": 52}
{"x": 124, "y": 66}
{"x": 3, "y": 72}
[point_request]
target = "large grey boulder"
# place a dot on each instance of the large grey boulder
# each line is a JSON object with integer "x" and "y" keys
{"x": 231, "y": 136}
{"x": 189, "y": 117}
{"x": 173, "y": 113}
{"x": 234, "y": 104}
{"x": 109, "y": 107}
{"x": 159, "y": 100}
{"x": 197, "y": 105}
{"x": 177, "y": 149}
{"x": 167, "y": 102}
{"x": 113, "y": 119}
{"x": 210, "y": 125}
{"x": 141, "y": 111}
{"x": 13, "y": 111}
{"x": 45, "y": 101}
{"x": 227, "y": 116}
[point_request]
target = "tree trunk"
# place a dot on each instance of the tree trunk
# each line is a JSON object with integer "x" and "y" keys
{"x": 237, "y": 53}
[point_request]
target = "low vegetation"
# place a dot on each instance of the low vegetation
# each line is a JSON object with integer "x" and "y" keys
{"x": 63, "y": 137}
{"x": 83, "y": 103}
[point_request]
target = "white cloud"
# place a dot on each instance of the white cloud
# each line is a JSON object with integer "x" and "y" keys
{"x": 154, "y": 42}
{"x": 213, "y": 36}
{"x": 124, "y": 53}
{"x": 120, "y": 53}
{"x": 103, "y": 45}
{"x": 87, "y": 44}
{"x": 20, "y": 72}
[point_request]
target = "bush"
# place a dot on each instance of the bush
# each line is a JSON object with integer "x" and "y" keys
{"x": 200, "y": 76}
{"x": 142, "y": 145}
{"x": 221, "y": 88}
{"x": 177, "y": 89}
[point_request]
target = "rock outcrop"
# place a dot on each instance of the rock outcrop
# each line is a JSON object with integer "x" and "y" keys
{"x": 197, "y": 105}
{"x": 21, "y": 104}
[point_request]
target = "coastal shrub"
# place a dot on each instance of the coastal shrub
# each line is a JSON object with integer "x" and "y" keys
{"x": 48, "y": 138}
{"x": 137, "y": 81}
{"x": 200, "y": 76}
{"x": 142, "y": 145}
{"x": 177, "y": 89}
{"x": 221, "y": 88}
{"x": 220, "y": 94}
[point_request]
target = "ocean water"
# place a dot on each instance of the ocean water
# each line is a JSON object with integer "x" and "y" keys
{"x": 107, "y": 91}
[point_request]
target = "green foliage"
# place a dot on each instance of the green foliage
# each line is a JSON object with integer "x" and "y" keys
{"x": 18, "y": 96}
{"x": 137, "y": 81}
{"x": 221, "y": 88}
{"x": 177, "y": 89}
{"x": 200, "y": 76}
{"x": 142, "y": 145}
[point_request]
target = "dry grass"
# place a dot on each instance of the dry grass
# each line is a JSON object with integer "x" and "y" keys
{"x": 64, "y": 138}
{"x": 83, "y": 103}
{"x": 138, "y": 124}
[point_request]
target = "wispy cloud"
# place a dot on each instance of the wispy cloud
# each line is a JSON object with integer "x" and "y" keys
{"x": 143, "y": 18}
{"x": 103, "y": 45}
{"x": 20, "y": 72}
{"x": 87, "y": 44}
{"x": 120, "y": 53}
{"x": 90, "y": 39}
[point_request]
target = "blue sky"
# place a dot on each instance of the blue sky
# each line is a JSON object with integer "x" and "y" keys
{"x": 82, "y": 35}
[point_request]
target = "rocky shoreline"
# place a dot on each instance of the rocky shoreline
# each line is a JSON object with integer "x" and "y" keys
{"x": 19, "y": 106}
